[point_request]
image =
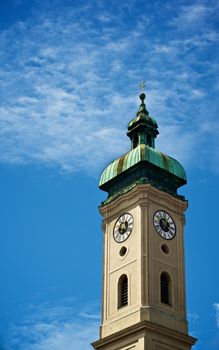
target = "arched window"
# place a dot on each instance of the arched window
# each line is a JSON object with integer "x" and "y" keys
{"x": 165, "y": 288}
{"x": 135, "y": 141}
{"x": 123, "y": 291}
{"x": 149, "y": 140}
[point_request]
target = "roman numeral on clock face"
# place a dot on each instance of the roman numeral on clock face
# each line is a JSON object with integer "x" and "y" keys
{"x": 164, "y": 224}
{"x": 123, "y": 227}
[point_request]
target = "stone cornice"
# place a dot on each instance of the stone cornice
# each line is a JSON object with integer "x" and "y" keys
{"x": 143, "y": 194}
{"x": 144, "y": 327}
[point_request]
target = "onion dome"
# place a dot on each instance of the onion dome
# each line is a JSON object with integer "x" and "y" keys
{"x": 143, "y": 163}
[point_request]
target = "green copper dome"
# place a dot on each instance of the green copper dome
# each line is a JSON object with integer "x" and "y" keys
{"x": 143, "y": 163}
{"x": 146, "y": 154}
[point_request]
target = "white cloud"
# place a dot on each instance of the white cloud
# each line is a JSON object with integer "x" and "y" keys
{"x": 193, "y": 317}
{"x": 66, "y": 82}
{"x": 55, "y": 326}
{"x": 90, "y": 316}
{"x": 193, "y": 16}
{"x": 216, "y": 306}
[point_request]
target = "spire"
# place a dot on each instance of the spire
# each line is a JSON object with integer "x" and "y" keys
{"x": 142, "y": 96}
{"x": 142, "y": 107}
{"x": 142, "y": 129}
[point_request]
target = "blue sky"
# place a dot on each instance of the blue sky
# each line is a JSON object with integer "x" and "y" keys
{"x": 70, "y": 72}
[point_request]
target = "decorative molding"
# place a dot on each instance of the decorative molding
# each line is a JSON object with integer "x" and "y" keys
{"x": 143, "y": 195}
{"x": 144, "y": 326}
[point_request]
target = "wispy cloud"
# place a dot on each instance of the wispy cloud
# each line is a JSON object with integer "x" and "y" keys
{"x": 216, "y": 306}
{"x": 55, "y": 326}
{"x": 69, "y": 84}
{"x": 193, "y": 317}
{"x": 190, "y": 16}
{"x": 194, "y": 15}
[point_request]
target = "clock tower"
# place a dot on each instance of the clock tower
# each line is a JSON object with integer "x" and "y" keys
{"x": 143, "y": 298}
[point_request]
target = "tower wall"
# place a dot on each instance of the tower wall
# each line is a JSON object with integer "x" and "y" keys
{"x": 143, "y": 263}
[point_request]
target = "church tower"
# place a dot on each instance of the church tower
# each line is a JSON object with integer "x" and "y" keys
{"x": 143, "y": 298}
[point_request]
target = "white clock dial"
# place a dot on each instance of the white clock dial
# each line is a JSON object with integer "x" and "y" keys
{"x": 164, "y": 224}
{"x": 123, "y": 227}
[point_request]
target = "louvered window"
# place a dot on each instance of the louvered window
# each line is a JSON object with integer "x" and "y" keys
{"x": 123, "y": 291}
{"x": 165, "y": 288}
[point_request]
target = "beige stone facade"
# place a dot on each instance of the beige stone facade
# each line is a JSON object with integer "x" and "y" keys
{"x": 145, "y": 322}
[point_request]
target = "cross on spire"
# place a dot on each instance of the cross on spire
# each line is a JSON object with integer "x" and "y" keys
{"x": 142, "y": 86}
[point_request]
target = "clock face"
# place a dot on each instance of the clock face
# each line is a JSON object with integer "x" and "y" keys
{"x": 123, "y": 227}
{"x": 164, "y": 224}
